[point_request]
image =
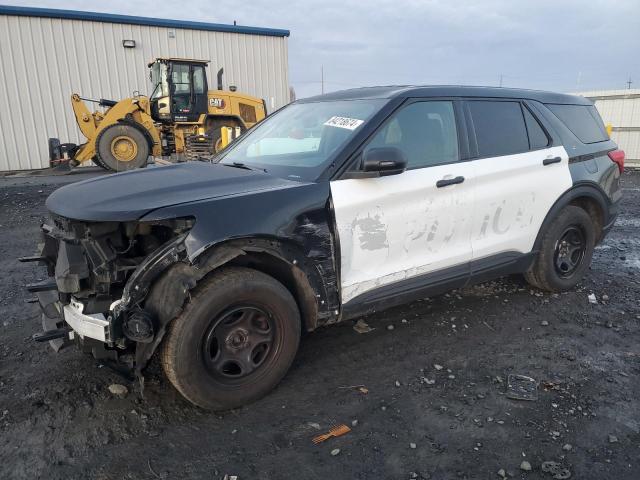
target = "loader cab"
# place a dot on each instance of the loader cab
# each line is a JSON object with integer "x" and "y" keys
{"x": 179, "y": 89}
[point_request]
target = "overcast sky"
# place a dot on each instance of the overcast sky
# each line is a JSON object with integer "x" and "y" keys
{"x": 561, "y": 45}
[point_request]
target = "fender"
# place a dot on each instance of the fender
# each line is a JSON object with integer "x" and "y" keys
{"x": 587, "y": 189}
{"x": 172, "y": 285}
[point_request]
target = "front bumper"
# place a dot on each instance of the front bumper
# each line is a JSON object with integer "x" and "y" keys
{"x": 94, "y": 325}
{"x": 70, "y": 320}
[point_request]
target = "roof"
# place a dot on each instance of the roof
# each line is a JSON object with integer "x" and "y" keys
{"x": 133, "y": 20}
{"x": 404, "y": 91}
{"x": 177, "y": 59}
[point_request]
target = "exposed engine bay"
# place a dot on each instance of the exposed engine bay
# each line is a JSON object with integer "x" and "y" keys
{"x": 91, "y": 264}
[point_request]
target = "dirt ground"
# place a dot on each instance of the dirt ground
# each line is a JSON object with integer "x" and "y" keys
{"x": 435, "y": 409}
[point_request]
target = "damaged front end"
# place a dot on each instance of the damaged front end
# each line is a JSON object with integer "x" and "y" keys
{"x": 99, "y": 274}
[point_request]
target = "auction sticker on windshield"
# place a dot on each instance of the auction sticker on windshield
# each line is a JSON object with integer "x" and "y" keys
{"x": 344, "y": 122}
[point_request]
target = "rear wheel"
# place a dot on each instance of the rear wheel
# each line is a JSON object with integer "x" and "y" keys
{"x": 121, "y": 147}
{"x": 565, "y": 251}
{"x": 234, "y": 341}
{"x": 213, "y": 127}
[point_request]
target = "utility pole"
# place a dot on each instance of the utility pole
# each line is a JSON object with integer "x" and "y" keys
{"x": 322, "y": 78}
{"x": 629, "y": 82}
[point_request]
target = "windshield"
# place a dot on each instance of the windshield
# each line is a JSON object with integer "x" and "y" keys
{"x": 299, "y": 141}
{"x": 159, "y": 86}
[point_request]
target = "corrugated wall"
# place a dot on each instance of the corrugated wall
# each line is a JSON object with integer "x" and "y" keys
{"x": 621, "y": 109}
{"x": 44, "y": 60}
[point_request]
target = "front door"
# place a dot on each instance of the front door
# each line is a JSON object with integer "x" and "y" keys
{"x": 188, "y": 92}
{"x": 401, "y": 228}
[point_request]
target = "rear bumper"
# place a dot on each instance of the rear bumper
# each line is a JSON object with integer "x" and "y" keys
{"x": 610, "y": 220}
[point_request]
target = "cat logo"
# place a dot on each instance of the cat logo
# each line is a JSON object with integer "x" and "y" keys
{"x": 216, "y": 102}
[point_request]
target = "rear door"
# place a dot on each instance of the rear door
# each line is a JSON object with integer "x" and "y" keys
{"x": 519, "y": 175}
{"x": 399, "y": 228}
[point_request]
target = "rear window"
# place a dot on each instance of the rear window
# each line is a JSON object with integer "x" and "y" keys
{"x": 500, "y": 128}
{"x": 583, "y": 120}
{"x": 537, "y": 138}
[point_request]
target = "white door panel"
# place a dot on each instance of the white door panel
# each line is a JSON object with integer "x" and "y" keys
{"x": 513, "y": 194}
{"x": 400, "y": 226}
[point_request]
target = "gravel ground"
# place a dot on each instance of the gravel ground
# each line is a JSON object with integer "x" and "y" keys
{"x": 435, "y": 406}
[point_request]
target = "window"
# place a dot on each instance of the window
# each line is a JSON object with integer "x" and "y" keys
{"x": 583, "y": 120}
{"x": 198, "y": 80}
{"x": 537, "y": 138}
{"x": 424, "y": 131}
{"x": 180, "y": 79}
{"x": 500, "y": 128}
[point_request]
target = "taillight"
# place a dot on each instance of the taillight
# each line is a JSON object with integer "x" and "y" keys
{"x": 617, "y": 156}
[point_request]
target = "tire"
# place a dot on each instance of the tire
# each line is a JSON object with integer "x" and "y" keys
{"x": 554, "y": 269}
{"x": 222, "y": 322}
{"x": 96, "y": 161}
{"x": 213, "y": 126}
{"x": 121, "y": 147}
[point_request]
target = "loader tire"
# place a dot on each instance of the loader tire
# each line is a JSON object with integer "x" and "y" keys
{"x": 121, "y": 147}
{"x": 234, "y": 341}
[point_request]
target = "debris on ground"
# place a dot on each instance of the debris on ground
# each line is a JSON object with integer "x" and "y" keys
{"x": 335, "y": 431}
{"x": 526, "y": 466}
{"x": 502, "y": 473}
{"x": 118, "y": 390}
{"x": 556, "y": 470}
{"x": 592, "y": 298}
{"x": 360, "y": 388}
{"x": 362, "y": 327}
{"x": 613, "y": 439}
{"x": 335, "y": 451}
{"x": 567, "y": 447}
{"x": 390, "y": 327}
{"x": 521, "y": 387}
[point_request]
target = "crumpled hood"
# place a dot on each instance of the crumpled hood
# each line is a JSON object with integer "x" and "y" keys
{"x": 130, "y": 195}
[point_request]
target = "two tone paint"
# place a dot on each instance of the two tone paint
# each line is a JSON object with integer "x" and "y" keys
{"x": 358, "y": 239}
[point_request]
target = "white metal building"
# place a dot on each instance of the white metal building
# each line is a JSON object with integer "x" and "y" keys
{"x": 621, "y": 110}
{"x": 46, "y": 55}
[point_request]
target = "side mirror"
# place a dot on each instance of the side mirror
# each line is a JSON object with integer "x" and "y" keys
{"x": 384, "y": 161}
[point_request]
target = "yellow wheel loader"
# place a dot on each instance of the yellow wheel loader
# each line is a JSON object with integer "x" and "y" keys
{"x": 180, "y": 116}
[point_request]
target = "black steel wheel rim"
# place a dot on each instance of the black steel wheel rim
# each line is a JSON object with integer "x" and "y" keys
{"x": 238, "y": 342}
{"x": 569, "y": 252}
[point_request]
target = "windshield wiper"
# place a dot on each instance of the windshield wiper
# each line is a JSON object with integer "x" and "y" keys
{"x": 243, "y": 165}
{"x": 239, "y": 165}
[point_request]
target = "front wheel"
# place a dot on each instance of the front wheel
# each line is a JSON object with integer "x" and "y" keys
{"x": 121, "y": 147}
{"x": 234, "y": 341}
{"x": 565, "y": 251}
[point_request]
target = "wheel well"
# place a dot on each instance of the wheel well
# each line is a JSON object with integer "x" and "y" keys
{"x": 593, "y": 208}
{"x": 222, "y": 119}
{"x": 290, "y": 276}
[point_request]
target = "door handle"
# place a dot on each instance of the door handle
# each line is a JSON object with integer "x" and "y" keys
{"x": 549, "y": 161}
{"x": 449, "y": 181}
